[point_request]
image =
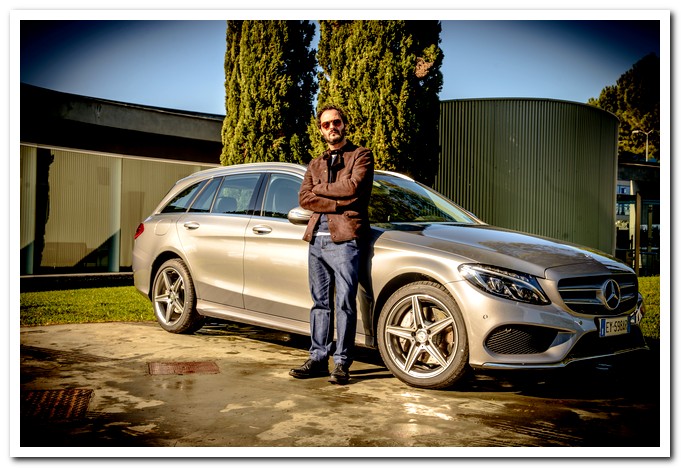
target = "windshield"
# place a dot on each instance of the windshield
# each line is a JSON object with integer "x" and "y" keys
{"x": 398, "y": 200}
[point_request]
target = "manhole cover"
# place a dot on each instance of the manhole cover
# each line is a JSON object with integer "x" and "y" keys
{"x": 165, "y": 368}
{"x": 56, "y": 404}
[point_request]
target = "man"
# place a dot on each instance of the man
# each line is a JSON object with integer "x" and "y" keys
{"x": 336, "y": 188}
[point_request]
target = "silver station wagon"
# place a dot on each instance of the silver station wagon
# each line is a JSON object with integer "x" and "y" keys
{"x": 442, "y": 292}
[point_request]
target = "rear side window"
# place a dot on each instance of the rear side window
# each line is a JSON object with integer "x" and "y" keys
{"x": 182, "y": 200}
{"x": 205, "y": 199}
{"x": 236, "y": 193}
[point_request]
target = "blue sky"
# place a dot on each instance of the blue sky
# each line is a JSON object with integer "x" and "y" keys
{"x": 178, "y": 63}
{"x": 570, "y": 60}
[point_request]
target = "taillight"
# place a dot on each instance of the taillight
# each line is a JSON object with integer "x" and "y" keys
{"x": 140, "y": 230}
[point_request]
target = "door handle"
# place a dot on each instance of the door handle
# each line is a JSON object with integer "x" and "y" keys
{"x": 191, "y": 225}
{"x": 262, "y": 229}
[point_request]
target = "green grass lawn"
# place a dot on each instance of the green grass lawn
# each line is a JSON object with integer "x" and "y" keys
{"x": 118, "y": 304}
{"x": 125, "y": 304}
{"x": 649, "y": 287}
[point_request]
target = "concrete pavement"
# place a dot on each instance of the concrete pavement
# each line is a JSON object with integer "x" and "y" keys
{"x": 132, "y": 389}
{"x": 225, "y": 386}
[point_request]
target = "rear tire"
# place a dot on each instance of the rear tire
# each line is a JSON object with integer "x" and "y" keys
{"x": 422, "y": 336}
{"x": 174, "y": 298}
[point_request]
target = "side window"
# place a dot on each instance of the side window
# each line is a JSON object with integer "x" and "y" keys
{"x": 205, "y": 199}
{"x": 183, "y": 199}
{"x": 281, "y": 195}
{"x": 235, "y": 193}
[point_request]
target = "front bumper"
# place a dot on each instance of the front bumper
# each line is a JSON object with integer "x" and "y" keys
{"x": 511, "y": 335}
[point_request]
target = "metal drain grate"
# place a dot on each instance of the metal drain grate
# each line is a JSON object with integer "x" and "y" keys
{"x": 166, "y": 368}
{"x": 56, "y": 404}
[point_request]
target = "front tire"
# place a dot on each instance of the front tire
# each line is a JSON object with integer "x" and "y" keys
{"x": 174, "y": 298}
{"x": 422, "y": 336}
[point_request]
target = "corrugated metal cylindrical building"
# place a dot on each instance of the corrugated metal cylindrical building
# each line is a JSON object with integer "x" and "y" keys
{"x": 542, "y": 166}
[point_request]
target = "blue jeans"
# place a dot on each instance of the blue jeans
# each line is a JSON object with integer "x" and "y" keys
{"x": 333, "y": 267}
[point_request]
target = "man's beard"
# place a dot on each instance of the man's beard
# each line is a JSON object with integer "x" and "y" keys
{"x": 333, "y": 138}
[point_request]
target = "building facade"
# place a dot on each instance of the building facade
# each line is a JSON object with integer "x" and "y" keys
{"x": 541, "y": 166}
{"x": 92, "y": 170}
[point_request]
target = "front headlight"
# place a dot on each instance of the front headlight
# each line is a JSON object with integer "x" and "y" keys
{"x": 505, "y": 283}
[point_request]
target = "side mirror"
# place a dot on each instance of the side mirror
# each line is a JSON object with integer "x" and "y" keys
{"x": 299, "y": 215}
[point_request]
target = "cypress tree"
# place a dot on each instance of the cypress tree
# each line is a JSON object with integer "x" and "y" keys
{"x": 269, "y": 84}
{"x": 386, "y": 76}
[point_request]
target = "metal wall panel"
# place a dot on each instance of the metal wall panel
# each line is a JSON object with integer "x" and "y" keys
{"x": 92, "y": 204}
{"x": 541, "y": 166}
{"x": 27, "y": 201}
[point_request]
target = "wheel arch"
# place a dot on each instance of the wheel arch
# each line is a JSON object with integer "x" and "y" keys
{"x": 393, "y": 285}
{"x": 156, "y": 265}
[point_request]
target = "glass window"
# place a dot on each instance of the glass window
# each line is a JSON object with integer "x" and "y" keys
{"x": 205, "y": 199}
{"x": 397, "y": 200}
{"x": 235, "y": 194}
{"x": 183, "y": 199}
{"x": 281, "y": 195}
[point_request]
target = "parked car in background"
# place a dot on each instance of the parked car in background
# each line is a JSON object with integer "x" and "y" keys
{"x": 444, "y": 292}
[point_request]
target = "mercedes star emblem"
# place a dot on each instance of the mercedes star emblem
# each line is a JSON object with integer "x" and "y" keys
{"x": 611, "y": 294}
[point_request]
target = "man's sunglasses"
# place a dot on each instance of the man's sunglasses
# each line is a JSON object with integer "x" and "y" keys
{"x": 334, "y": 122}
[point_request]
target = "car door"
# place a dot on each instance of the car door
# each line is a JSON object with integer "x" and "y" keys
{"x": 212, "y": 237}
{"x": 275, "y": 256}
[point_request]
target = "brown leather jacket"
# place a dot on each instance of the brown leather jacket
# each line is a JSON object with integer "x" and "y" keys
{"x": 344, "y": 201}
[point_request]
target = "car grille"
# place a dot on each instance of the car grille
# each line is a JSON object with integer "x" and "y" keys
{"x": 520, "y": 339}
{"x": 595, "y": 295}
{"x": 591, "y": 344}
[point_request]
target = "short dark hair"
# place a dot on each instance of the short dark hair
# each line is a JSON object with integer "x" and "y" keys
{"x": 330, "y": 107}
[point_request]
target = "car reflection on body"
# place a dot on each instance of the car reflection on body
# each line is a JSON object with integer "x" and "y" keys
{"x": 445, "y": 293}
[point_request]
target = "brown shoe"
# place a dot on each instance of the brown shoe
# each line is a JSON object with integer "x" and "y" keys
{"x": 310, "y": 369}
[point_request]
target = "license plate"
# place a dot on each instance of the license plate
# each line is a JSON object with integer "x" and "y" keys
{"x": 611, "y": 326}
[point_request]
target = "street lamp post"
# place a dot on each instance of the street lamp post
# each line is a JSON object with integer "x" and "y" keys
{"x": 646, "y": 134}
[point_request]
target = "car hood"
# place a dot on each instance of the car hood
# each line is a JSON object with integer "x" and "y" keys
{"x": 499, "y": 247}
